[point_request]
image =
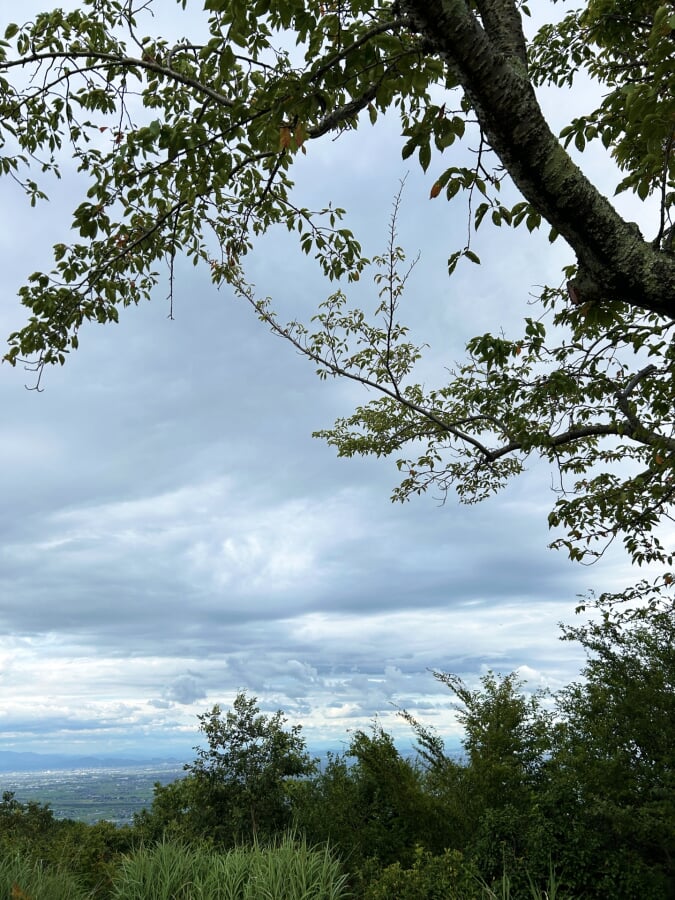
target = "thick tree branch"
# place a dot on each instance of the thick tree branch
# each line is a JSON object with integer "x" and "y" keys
{"x": 638, "y": 430}
{"x": 615, "y": 261}
{"x": 503, "y": 24}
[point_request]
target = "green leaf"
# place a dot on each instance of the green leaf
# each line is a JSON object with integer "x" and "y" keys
{"x": 533, "y": 221}
{"x": 425, "y": 155}
{"x": 480, "y": 214}
{"x": 408, "y": 149}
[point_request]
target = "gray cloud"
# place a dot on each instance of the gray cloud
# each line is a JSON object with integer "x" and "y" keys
{"x": 167, "y": 512}
{"x": 185, "y": 689}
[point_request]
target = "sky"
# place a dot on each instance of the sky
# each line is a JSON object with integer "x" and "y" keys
{"x": 173, "y": 534}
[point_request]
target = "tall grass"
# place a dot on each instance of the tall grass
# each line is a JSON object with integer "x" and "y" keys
{"x": 289, "y": 870}
{"x": 502, "y": 891}
{"x": 22, "y": 878}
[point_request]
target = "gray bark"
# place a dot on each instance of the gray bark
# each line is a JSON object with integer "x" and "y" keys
{"x": 485, "y": 50}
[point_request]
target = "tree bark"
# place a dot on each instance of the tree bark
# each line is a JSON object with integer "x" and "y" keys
{"x": 615, "y": 262}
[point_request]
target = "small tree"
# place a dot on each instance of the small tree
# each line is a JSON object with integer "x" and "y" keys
{"x": 30, "y": 823}
{"x": 612, "y": 785}
{"x": 368, "y": 802}
{"x": 393, "y": 812}
{"x": 506, "y": 734}
{"x": 491, "y": 802}
{"x": 241, "y": 777}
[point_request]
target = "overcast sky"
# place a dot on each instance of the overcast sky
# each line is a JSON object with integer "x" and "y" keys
{"x": 172, "y": 533}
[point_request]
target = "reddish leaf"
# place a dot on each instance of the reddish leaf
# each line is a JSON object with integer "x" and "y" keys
{"x": 284, "y": 137}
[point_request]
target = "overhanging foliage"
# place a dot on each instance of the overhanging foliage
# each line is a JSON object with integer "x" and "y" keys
{"x": 186, "y": 146}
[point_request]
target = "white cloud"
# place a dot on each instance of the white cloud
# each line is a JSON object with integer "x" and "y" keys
{"x": 172, "y": 533}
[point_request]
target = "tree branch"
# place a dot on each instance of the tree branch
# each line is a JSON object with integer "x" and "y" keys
{"x": 343, "y": 114}
{"x": 615, "y": 262}
{"x": 453, "y": 429}
{"x": 501, "y": 20}
{"x": 638, "y": 430}
{"x": 376, "y": 30}
{"x": 125, "y": 62}
{"x": 334, "y": 367}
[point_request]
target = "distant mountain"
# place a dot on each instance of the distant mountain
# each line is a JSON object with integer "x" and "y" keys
{"x": 15, "y": 761}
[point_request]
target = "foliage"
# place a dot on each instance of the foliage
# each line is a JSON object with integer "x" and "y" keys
{"x": 506, "y": 734}
{"x": 91, "y": 852}
{"x": 189, "y": 146}
{"x": 326, "y": 806}
{"x": 22, "y": 878}
{"x": 611, "y": 780}
{"x": 288, "y": 871}
{"x": 492, "y": 800}
{"x": 584, "y": 790}
{"x": 237, "y": 788}
{"x": 368, "y": 803}
{"x": 391, "y": 811}
{"x": 624, "y": 45}
{"x": 23, "y": 822}
{"x": 248, "y": 763}
{"x": 180, "y": 811}
{"x": 575, "y": 800}
{"x": 446, "y": 877}
{"x": 451, "y": 877}
{"x": 205, "y": 159}
{"x": 48, "y": 847}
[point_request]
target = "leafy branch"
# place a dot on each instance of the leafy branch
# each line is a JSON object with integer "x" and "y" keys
{"x": 576, "y": 404}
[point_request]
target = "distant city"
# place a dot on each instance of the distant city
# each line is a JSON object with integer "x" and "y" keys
{"x": 17, "y": 761}
{"x": 92, "y": 792}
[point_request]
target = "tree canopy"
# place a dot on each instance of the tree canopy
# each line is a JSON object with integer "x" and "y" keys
{"x": 245, "y": 769}
{"x": 187, "y": 147}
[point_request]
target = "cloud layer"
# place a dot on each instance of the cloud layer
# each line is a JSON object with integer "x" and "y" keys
{"x": 173, "y": 534}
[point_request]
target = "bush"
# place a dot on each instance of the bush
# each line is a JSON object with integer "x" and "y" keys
{"x": 446, "y": 877}
{"x": 91, "y": 852}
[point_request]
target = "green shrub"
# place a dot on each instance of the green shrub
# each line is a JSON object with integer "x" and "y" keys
{"x": 91, "y": 852}
{"x": 452, "y": 877}
{"x": 445, "y": 877}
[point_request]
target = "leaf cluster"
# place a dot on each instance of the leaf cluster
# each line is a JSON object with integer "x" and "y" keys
{"x": 627, "y": 47}
{"x": 185, "y": 148}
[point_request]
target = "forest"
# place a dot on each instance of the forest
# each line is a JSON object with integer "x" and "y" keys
{"x": 567, "y": 796}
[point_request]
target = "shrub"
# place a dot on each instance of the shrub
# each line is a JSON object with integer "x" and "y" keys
{"x": 445, "y": 877}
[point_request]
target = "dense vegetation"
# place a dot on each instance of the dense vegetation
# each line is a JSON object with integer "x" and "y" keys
{"x": 570, "y": 796}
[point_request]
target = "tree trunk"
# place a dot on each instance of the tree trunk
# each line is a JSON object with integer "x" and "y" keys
{"x": 615, "y": 262}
